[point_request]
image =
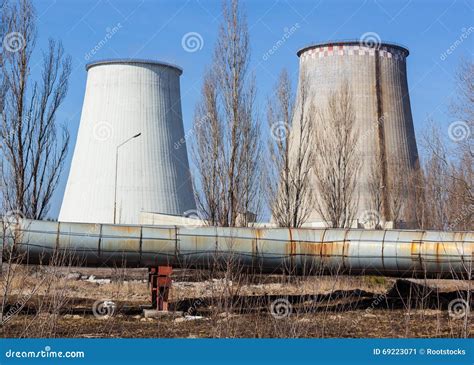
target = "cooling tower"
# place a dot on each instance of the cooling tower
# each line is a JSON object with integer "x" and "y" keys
{"x": 376, "y": 77}
{"x": 130, "y": 154}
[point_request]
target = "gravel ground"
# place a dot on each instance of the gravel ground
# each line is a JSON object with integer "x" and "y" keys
{"x": 62, "y": 303}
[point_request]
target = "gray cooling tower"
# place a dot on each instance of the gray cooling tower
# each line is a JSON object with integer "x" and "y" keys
{"x": 377, "y": 80}
{"x": 114, "y": 172}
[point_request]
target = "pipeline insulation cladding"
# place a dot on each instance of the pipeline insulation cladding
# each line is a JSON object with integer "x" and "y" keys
{"x": 400, "y": 253}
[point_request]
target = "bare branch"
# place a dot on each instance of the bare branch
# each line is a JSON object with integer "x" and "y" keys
{"x": 33, "y": 154}
{"x": 227, "y": 147}
{"x": 290, "y": 156}
{"x": 337, "y": 163}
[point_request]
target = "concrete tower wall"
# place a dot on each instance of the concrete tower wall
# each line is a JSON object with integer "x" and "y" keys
{"x": 377, "y": 80}
{"x": 124, "y": 98}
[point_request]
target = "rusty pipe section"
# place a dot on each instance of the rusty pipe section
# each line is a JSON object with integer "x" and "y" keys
{"x": 399, "y": 253}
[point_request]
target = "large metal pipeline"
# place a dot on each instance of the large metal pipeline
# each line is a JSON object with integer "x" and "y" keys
{"x": 398, "y": 253}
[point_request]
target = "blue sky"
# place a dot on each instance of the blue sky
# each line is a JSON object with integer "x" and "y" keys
{"x": 155, "y": 29}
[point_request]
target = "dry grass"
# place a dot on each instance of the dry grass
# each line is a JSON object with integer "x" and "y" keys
{"x": 230, "y": 306}
{"x": 379, "y": 324}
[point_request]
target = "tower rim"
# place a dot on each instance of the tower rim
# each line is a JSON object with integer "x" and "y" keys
{"x": 132, "y": 61}
{"x": 352, "y": 42}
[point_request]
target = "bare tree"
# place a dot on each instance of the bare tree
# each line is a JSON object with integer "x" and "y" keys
{"x": 462, "y": 170}
{"x": 397, "y": 187}
{"x": 403, "y": 192}
{"x": 4, "y": 21}
{"x": 289, "y": 168}
{"x": 416, "y": 207}
{"x": 463, "y": 108}
{"x": 463, "y": 105}
{"x": 436, "y": 181}
{"x": 448, "y": 168}
{"x": 32, "y": 152}
{"x": 206, "y": 151}
{"x": 461, "y": 192}
{"x": 337, "y": 163}
{"x": 226, "y": 149}
{"x": 376, "y": 189}
{"x": 449, "y": 177}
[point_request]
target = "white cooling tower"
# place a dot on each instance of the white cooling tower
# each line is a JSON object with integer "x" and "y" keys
{"x": 377, "y": 79}
{"x": 114, "y": 172}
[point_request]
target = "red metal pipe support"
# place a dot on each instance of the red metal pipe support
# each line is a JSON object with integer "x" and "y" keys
{"x": 160, "y": 279}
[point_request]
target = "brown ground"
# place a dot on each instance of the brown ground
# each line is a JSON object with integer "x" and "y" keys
{"x": 240, "y": 306}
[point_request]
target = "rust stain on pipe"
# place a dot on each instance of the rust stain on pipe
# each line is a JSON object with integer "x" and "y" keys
{"x": 310, "y": 249}
{"x": 402, "y": 253}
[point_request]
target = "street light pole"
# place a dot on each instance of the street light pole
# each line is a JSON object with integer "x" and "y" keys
{"x": 116, "y": 171}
